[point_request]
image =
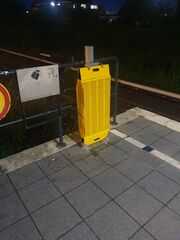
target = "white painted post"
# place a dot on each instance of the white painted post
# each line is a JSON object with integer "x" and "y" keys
{"x": 89, "y": 55}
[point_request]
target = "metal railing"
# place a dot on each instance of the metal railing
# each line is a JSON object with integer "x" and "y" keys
{"x": 60, "y": 109}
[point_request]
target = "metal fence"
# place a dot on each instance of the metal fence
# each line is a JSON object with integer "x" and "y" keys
{"x": 59, "y": 110}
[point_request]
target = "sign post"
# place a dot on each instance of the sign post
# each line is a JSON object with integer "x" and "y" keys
{"x": 5, "y": 101}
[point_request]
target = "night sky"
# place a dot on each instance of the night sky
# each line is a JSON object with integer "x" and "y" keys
{"x": 109, "y": 5}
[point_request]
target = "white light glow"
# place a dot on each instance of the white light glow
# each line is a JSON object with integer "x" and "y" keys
{"x": 83, "y": 6}
{"x": 94, "y": 7}
{"x": 74, "y": 6}
{"x": 52, "y": 4}
{"x": 58, "y": 4}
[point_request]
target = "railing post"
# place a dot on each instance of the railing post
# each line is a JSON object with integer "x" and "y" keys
{"x": 116, "y": 88}
{"x": 61, "y": 140}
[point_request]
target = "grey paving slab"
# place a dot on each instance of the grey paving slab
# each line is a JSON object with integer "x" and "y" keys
{"x": 76, "y": 153}
{"x": 165, "y": 225}
{"x": 26, "y": 175}
{"x": 134, "y": 169}
{"x": 53, "y": 163}
{"x": 68, "y": 178}
{"x": 91, "y": 166}
{"x": 148, "y": 158}
{"x": 81, "y": 232}
{"x": 38, "y": 194}
{"x": 112, "y": 182}
{"x": 55, "y": 219}
{"x": 142, "y": 235}
{"x": 174, "y": 137}
{"x": 100, "y": 144}
{"x": 160, "y": 186}
{"x": 11, "y": 210}
{"x": 23, "y": 230}
{"x": 113, "y": 138}
{"x": 87, "y": 198}
{"x": 111, "y": 222}
{"x": 112, "y": 155}
{"x": 98, "y": 147}
{"x": 142, "y": 122}
{"x": 166, "y": 147}
{"x": 145, "y": 137}
{"x": 177, "y": 157}
{"x": 128, "y": 147}
{"x": 170, "y": 171}
{"x": 128, "y": 129}
{"x": 5, "y": 186}
{"x": 158, "y": 129}
{"x": 175, "y": 204}
{"x": 139, "y": 204}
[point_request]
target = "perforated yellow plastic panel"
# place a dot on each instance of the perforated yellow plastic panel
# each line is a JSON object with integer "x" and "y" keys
{"x": 93, "y": 101}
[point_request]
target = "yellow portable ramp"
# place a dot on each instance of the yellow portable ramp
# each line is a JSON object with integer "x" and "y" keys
{"x": 93, "y": 101}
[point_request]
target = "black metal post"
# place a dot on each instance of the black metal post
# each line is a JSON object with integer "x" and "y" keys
{"x": 61, "y": 139}
{"x": 116, "y": 90}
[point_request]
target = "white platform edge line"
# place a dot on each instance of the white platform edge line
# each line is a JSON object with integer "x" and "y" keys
{"x": 164, "y": 121}
{"x": 140, "y": 145}
{"x": 135, "y": 142}
{"x": 166, "y": 158}
{"x": 118, "y": 133}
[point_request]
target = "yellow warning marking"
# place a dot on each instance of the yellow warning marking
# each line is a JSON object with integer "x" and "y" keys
{"x": 2, "y": 102}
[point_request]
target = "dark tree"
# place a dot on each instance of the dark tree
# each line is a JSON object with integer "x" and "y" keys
{"x": 178, "y": 9}
{"x": 11, "y": 12}
{"x": 139, "y": 11}
{"x": 165, "y": 11}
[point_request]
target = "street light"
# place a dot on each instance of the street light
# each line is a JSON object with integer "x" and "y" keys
{"x": 52, "y": 4}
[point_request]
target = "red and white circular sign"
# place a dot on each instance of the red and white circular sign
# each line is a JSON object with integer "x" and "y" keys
{"x": 5, "y": 101}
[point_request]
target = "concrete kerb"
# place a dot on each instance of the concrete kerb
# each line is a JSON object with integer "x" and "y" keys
{"x": 24, "y": 158}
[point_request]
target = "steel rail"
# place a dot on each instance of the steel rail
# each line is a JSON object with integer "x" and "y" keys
{"x": 26, "y": 56}
{"x": 150, "y": 89}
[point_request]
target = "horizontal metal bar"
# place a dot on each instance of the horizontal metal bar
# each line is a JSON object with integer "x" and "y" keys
{"x": 11, "y": 123}
{"x": 7, "y": 73}
{"x": 42, "y": 114}
{"x": 72, "y": 64}
{"x": 66, "y": 107}
{"x": 28, "y": 118}
{"x": 35, "y": 116}
{"x": 41, "y": 124}
{"x": 64, "y": 65}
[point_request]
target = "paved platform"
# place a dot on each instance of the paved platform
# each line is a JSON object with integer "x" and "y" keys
{"x": 128, "y": 188}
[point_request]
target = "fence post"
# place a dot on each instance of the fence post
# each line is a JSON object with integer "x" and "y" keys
{"x": 61, "y": 139}
{"x": 116, "y": 89}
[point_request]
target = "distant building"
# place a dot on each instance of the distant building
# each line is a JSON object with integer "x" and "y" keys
{"x": 71, "y": 5}
{"x": 62, "y": 11}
